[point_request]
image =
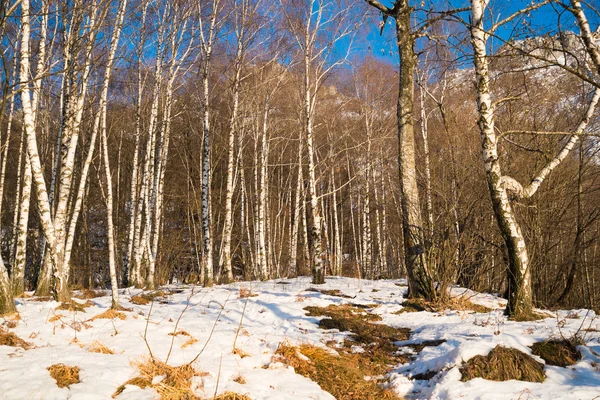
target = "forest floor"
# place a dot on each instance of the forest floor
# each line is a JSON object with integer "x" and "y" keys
{"x": 286, "y": 339}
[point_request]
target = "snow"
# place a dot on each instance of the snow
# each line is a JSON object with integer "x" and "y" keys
{"x": 212, "y": 316}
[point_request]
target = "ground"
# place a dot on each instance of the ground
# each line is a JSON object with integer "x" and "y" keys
{"x": 202, "y": 324}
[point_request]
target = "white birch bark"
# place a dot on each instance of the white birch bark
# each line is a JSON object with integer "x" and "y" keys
{"x": 60, "y": 291}
{"x": 207, "y": 43}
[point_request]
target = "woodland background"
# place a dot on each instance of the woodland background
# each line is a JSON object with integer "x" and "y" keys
{"x": 205, "y": 141}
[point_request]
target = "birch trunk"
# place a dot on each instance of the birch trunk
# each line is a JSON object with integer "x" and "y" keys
{"x": 225, "y": 262}
{"x": 207, "y": 48}
{"x": 60, "y": 290}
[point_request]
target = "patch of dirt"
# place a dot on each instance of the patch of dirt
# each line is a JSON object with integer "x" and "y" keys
{"x": 561, "y": 352}
{"x": 503, "y": 364}
{"x": 64, "y": 375}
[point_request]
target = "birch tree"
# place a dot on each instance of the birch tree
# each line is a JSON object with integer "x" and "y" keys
{"x": 209, "y": 22}
{"x": 503, "y": 187}
{"x": 316, "y": 30}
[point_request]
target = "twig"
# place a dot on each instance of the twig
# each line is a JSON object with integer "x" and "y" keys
{"x": 146, "y": 331}
{"x": 187, "y": 304}
{"x": 218, "y": 377}
{"x": 212, "y": 330}
{"x": 240, "y": 326}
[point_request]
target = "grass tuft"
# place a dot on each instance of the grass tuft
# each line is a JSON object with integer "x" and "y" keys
{"x": 503, "y": 364}
{"x": 246, "y": 292}
{"x": 99, "y": 347}
{"x": 64, "y": 375}
{"x": 460, "y": 303}
{"x": 561, "y": 352}
{"x": 239, "y": 352}
{"x": 240, "y": 379}
{"x": 231, "y": 396}
{"x": 8, "y": 338}
{"x": 145, "y": 298}
{"x": 74, "y": 306}
{"x": 89, "y": 294}
{"x": 110, "y": 314}
{"x": 176, "y": 384}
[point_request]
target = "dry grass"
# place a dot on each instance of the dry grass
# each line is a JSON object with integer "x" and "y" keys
{"x": 330, "y": 292}
{"x": 180, "y": 333}
{"x": 348, "y": 318}
{"x": 89, "y": 294}
{"x": 240, "y": 379}
{"x": 343, "y": 376}
{"x": 460, "y": 303}
{"x": 190, "y": 342}
{"x": 75, "y": 306}
{"x": 347, "y": 375}
{"x": 240, "y": 352}
{"x": 557, "y": 352}
{"x": 246, "y": 292}
{"x": 56, "y": 317}
{"x": 231, "y": 396}
{"x": 64, "y": 375}
{"x": 99, "y": 347}
{"x": 110, "y": 314}
{"x": 503, "y": 364}
{"x": 10, "y": 339}
{"x": 176, "y": 384}
{"x": 11, "y": 320}
{"x": 146, "y": 298}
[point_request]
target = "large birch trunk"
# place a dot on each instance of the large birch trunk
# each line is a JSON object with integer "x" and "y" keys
{"x": 520, "y": 298}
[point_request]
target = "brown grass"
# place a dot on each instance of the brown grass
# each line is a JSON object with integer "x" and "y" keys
{"x": 232, "y": 396}
{"x": 11, "y": 320}
{"x": 145, "y": 298}
{"x": 240, "y": 352}
{"x": 343, "y": 376}
{"x": 347, "y": 318}
{"x": 180, "y": 332}
{"x": 8, "y": 338}
{"x": 240, "y": 379}
{"x": 110, "y": 314}
{"x": 190, "y": 342}
{"x": 330, "y": 292}
{"x": 75, "y": 306}
{"x": 175, "y": 386}
{"x": 460, "y": 303}
{"x": 557, "y": 352}
{"x": 64, "y": 375}
{"x": 99, "y": 347}
{"x": 503, "y": 364}
{"x": 246, "y": 292}
{"x": 88, "y": 294}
